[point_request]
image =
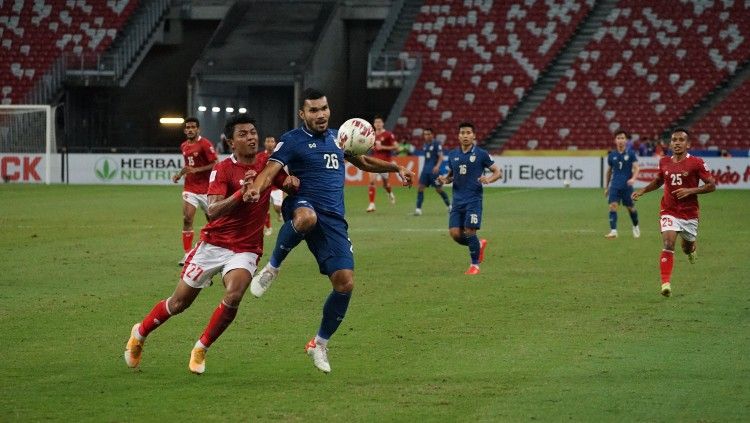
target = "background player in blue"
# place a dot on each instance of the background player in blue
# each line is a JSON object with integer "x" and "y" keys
{"x": 433, "y": 158}
{"x": 621, "y": 175}
{"x": 466, "y": 165}
{"x": 316, "y": 212}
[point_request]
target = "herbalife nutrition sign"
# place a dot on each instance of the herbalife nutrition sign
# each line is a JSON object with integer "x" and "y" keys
{"x": 128, "y": 169}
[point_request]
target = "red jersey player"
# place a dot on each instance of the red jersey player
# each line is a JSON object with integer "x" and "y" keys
{"x": 680, "y": 174}
{"x": 200, "y": 158}
{"x": 231, "y": 243}
{"x": 385, "y": 145}
{"x": 277, "y": 195}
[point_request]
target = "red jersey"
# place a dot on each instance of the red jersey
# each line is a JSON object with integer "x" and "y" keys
{"x": 687, "y": 173}
{"x": 240, "y": 230}
{"x": 197, "y": 154}
{"x": 387, "y": 139}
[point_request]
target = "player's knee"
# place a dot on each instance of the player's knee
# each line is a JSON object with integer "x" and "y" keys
{"x": 187, "y": 221}
{"x": 233, "y": 298}
{"x": 613, "y": 207}
{"x": 178, "y": 305}
{"x": 304, "y": 219}
{"x": 669, "y": 244}
{"x": 456, "y": 234}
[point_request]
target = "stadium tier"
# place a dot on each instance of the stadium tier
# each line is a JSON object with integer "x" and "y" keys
{"x": 727, "y": 126}
{"x": 648, "y": 65}
{"x": 35, "y": 34}
{"x": 479, "y": 58}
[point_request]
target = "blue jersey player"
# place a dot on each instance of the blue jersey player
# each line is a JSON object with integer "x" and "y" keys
{"x": 621, "y": 174}
{"x": 316, "y": 212}
{"x": 466, "y": 166}
{"x": 433, "y": 158}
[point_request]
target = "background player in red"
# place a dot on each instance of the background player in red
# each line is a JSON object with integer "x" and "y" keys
{"x": 231, "y": 243}
{"x": 277, "y": 195}
{"x": 200, "y": 158}
{"x": 385, "y": 146}
{"x": 679, "y": 212}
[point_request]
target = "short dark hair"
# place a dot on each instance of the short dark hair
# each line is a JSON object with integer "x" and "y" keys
{"x": 428, "y": 129}
{"x": 466, "y": 125}
{"x": 621, "y": 131}
{"x": 235, "y": 120}
{"x": 312, "y": 94}
{"x": 376, "y": 117}
{"x": 680, "y": 129}
{"x": 194, "y": 120}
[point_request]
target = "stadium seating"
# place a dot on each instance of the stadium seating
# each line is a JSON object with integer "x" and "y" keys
{"x": 34, "y": 34}
{"x": 727, "y": 126}
{"x": 648, "y": 65}
{"x": 479, "y": 58}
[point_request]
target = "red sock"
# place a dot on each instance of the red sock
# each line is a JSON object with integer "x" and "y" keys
{"x": 187, "y": 240}
{"x": 158, "y": 315}
{"x": 268, "y": 220}
{"x": 371, "y": 193}
{"x": 221, "y": 318}
{"x": 666, "y": 263}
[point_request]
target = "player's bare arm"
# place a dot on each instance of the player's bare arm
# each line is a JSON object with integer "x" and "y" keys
{"x": 262, "y": 181}
{"x": 375, "y": 165}
{"x": 218, "y": 205}
{"x": 494, "y": 176}
{"x": 636, "y": 170}
{"x": 436, "y": 169}
{"x": 709, "y": 185}
{"x": 200, "y": 168}
{"x": 655, "y": 184}
{"x": 607, "y": 178}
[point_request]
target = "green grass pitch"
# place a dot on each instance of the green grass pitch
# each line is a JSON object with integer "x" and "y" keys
{"x": 562, "y": 325}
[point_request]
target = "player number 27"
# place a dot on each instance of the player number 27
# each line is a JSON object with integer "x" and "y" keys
{"x": 332, "y": 161}
{"x": 676, "y": 179}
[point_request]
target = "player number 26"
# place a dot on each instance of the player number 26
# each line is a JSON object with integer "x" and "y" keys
{"x": 332, "y": 161}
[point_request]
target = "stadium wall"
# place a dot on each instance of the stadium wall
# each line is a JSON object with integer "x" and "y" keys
{"x": 157, "y": 169}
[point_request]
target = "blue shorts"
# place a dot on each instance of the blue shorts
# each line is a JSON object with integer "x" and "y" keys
{"x": 429, "y": 179}
{"x": 328, "y": 241}
{"x": 466, "y": 215}
{"x": 623, "y": 194}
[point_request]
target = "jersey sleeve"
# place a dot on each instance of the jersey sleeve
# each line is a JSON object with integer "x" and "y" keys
{"x": 704, "y": 172}
{"x": 487, "y": 161}
{"x": 283, "y": 153}
{"x": 609, "y": 160}
{"x": 217, "y": 181}
{"x": 208, "y": 148}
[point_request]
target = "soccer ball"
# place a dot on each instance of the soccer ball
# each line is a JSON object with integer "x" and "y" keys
{"x": 356, "y": 136}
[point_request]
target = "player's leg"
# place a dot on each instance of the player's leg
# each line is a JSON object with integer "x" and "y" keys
{"x": 614, "y": 200}
{"x": 371, "y": 192}
{"x": 669, "y": 230}
{"x": 423, "y": 182}
{"x": 387, "y": 187}
{"x": 236, "y": 276}
{"x": 277, "y": 198}
{"x": 689, "y": 235}
{"x": 267, "y": 229}
{"x": 472, "y": 222}
{"x": 444, "y": 195}
{"x": 627, "y": 201}
{"x": 329, "y": 243}
{"x": 292, "y": 232}
{"x": 188, "y": 215}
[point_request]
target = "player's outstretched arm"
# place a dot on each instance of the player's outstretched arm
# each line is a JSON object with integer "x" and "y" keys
{"x": 709, "y": 185}
{"x": 262, "y": 181}
{"x": 375, "y": 165}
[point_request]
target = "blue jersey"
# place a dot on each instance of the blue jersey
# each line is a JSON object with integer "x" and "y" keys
{"x": 318, "y": 162}
{"x": 431, "y": 153}
{"x": 467, "y": 168}
{"x": 622, "y": 167}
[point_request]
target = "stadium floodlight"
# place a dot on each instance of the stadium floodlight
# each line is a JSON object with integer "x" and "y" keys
{"x": 201, "y": 108}
{"x": 242, "y": 110}
{"x": 215, "y": 109}
{"x": 171, "y": 121}
{"x": 230, "y": 109}
{"x": 29, "y": 129}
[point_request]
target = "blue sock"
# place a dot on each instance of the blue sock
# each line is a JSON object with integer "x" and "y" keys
{"x": 613, "y": 220}
{"x": 445, "y": 198}
{"x": 288, "y": 239}
{"x": 420, "y": 199}
{"x": 473, "y": 243}
{"x": 634, "y": 217}
{"x": 334, "y": 311}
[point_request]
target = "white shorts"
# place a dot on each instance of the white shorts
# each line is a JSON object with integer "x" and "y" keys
{"x": 206, "y": 260}
{"x": 197, "y": 200}
{"x": 688, "y": 229}
{"x": 277, "y": 197}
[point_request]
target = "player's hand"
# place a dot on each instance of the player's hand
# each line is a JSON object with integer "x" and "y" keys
{"x": 606, "y": 191}
{"x": 681, "y": 193}
{"x": 631, "y": 182}
{"x": 636, "y": 195}
{"x": 484, "y": 180}
{"x": 435, "y": 170}
{"x": 406, "y": 175}
{"x": 251, "y": 195}
{"x": 176, "y": 177}
{"x": 290, "y": 185}
{"x": 249, "y": 177}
